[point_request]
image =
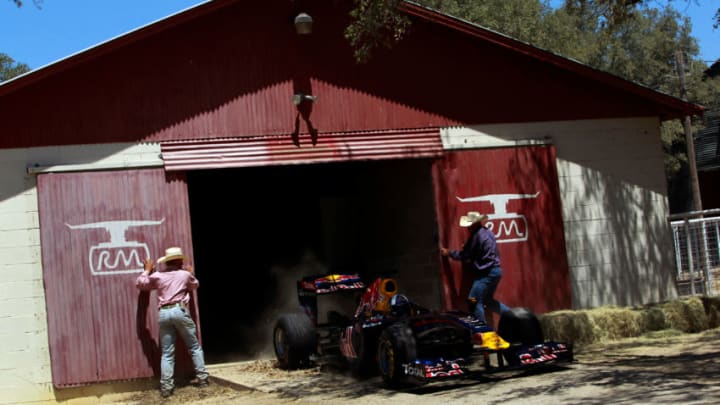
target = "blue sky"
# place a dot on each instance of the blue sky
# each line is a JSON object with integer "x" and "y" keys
{"x": 701, "y": 14}
{"x": 61, "y": 28}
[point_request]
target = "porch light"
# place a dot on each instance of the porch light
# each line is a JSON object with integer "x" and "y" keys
{"x": 303, "y": 24}
{"x": 298, "y": 98}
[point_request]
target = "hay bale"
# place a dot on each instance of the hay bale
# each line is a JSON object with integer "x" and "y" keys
{"x": 569, "y": 326}
{"x": 652, "y": 319}
{"x": 615, "y": 322}
{"x": 583, "y": 327}
{"x": 687, "y": 315}
{"x": 712, "y": 311}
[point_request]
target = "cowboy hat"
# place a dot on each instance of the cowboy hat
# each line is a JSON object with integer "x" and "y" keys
{"x": 171, "y": 253}
{"x": 471, "y": 218}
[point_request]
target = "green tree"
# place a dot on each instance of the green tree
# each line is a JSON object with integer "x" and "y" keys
{"x": 9, "y": 68}
{"x": 375, "y": 23}
{"x": 643, "y": 49}
{"x": 379, "y": 22}
{"x": 520, "y": 19}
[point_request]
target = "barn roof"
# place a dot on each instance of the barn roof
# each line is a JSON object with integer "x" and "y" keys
{"x": 673, "y": 106}
{"x": 548, "y": 57}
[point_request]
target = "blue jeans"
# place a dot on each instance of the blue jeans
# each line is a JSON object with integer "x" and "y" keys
{"x": 483, "y": 290}
{"x": 176, "y": 319}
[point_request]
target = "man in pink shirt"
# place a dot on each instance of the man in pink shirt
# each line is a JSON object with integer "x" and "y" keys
{"x": 174, "y": 284}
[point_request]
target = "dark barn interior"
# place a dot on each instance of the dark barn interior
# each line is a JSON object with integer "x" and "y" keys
{"x": 258, "y": 230}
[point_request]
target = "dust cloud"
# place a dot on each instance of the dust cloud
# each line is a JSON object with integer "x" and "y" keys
{"x": 258, "y": 334}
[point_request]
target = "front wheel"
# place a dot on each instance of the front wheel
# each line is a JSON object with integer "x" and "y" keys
{"x": 519, "y": 326}
{"x": 294, "y": 340}
{"x": 396, "y": 347}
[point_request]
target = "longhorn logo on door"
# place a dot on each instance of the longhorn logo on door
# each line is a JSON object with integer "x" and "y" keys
{"x": 507, "y": 226}
{"x": 119, "y": 255}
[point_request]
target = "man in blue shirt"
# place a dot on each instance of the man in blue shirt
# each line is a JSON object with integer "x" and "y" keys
{"x": 480, "y": 256}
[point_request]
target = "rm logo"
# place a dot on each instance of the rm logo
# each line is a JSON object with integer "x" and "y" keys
{"x": 507, "y": 226}
{"x": 118, "y": 256}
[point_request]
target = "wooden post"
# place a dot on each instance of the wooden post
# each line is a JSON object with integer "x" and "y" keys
{"x": 687, "y": 125}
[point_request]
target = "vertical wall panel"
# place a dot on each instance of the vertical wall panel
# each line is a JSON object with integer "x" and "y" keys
{"x": 518, "y": 189}
{"x": 96, "y": 228}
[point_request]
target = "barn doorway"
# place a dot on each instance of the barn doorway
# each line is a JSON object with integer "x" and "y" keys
{"x": 256, "y": 231}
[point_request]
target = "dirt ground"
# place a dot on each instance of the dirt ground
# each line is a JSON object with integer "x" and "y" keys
{"x": 668, "y": 367}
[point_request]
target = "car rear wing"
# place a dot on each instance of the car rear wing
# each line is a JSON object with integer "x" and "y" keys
{"x": 309, "y": 288}
{"x": 318, "y": 285}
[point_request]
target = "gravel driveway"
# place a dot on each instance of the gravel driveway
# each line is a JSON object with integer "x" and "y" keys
{"x": 667, "y": 369}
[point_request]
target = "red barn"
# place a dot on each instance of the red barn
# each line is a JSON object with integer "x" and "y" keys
{"x": 269, "y": 155}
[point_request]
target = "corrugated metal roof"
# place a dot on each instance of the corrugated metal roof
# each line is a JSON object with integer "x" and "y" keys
{"x": 674, "y": 107}
{"x": 287, "y": 149}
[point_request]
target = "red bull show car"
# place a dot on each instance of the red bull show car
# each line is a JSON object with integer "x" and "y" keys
{"x": 376, "y": 329}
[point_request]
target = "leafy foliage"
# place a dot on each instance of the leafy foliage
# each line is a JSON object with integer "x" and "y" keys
{"x": 520, "y": 19}
{"x": 9, "y": 68}
{"x": 607, "y": 13}
{"x": 375, "y": 23}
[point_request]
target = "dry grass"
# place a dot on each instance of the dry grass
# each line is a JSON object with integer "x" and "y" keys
{"x": 584, "y": 327}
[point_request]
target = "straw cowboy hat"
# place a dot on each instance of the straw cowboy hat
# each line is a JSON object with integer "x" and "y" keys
{"x": 171, "y": 253}
{"x": 471, "y": 218}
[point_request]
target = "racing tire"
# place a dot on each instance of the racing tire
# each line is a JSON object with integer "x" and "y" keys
{"x": 519, "y": 326}
{"x": 396, "y": 347}
{"x": 294, "y": 340}
{"x": 364, "y": 364}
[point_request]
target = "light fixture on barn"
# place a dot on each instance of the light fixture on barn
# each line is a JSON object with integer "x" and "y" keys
{"x": 298, "y": 98}
{"x": 303, "y": 24}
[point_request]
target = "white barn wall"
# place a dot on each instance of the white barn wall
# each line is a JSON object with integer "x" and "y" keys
{"x": 614, "y": 202}
{"x": 25, "y": 374}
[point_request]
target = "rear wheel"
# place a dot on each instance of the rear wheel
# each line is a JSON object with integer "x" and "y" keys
{"x": 364, "y": 364}
{"x": 519, "y": 326}
{"x": 294, "y": 340}
{"x": 396, "y": 347}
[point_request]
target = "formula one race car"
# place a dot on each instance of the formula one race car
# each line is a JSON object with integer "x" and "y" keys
{"x": 382, "y": 331}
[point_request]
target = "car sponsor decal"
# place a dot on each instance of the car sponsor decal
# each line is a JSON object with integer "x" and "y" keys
{"x": 542, "y": 354}
{"x": 429, "y": 369}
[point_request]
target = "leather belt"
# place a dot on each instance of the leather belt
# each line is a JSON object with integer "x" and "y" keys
{"x": 172, "y": 305}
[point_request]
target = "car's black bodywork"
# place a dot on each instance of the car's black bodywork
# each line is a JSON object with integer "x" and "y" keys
{"x": 402, "y": 341}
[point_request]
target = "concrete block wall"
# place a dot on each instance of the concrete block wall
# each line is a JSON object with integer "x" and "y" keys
{"x": 614, "y": 202}
{"x": 25, "y": 373}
